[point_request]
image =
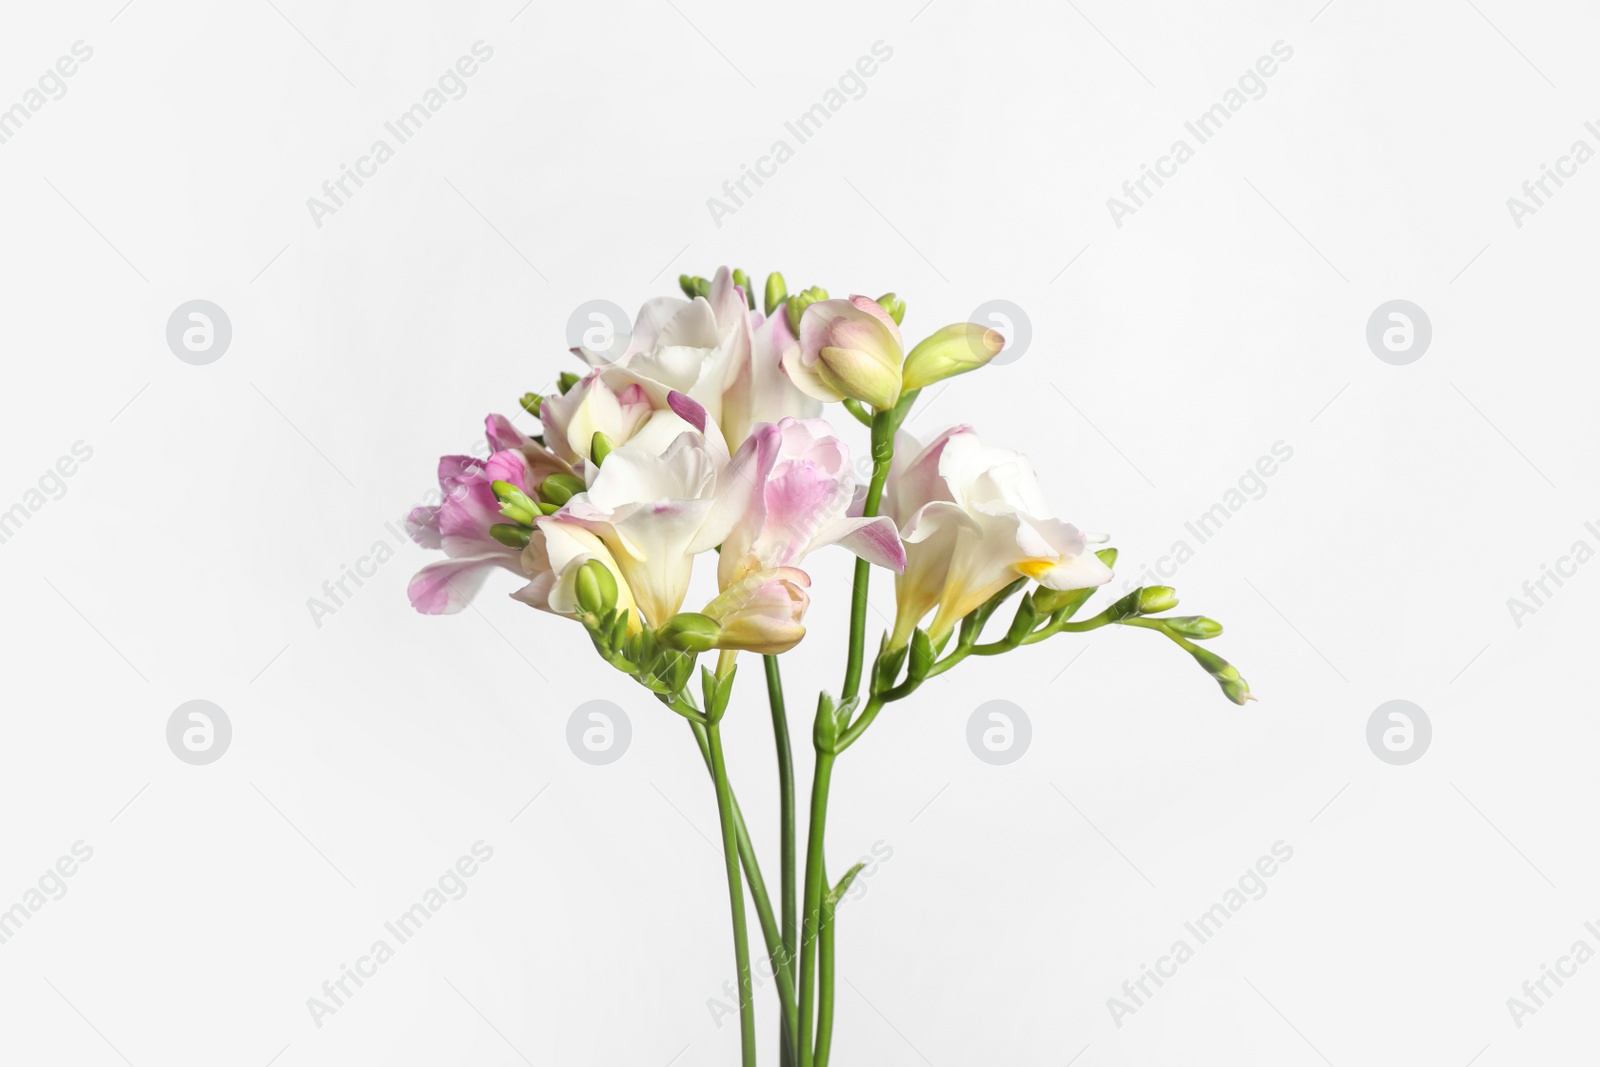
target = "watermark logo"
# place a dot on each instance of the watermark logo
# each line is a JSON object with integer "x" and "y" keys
{"x": 199, "y": 732}
{"x": 600, "y": 328}
{"x": 1399, "y": 732}
{"x": 199, "y": 332}
{"x": 1011, "y": 322}
{"x": 1399, "y": 332}
{"x": 999, "y": 732}
{"x": 598, "y": 732}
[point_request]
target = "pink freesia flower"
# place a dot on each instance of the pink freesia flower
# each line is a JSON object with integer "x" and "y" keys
{"x": 848, "y": 348}
{"x": 787, "y": 492}
{"x": 762, "y": 612}
{"x": 459, "y": 524}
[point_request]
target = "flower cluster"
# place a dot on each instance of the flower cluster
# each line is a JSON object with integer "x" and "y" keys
{"x": 701, "y": 431}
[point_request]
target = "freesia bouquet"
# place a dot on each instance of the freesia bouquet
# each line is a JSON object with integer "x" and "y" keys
{"x": 701, "y": 431}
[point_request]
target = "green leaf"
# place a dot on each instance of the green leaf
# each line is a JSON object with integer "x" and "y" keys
{"x": 837, "y": 893}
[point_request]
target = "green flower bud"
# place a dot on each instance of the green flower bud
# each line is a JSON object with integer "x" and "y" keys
{"x": 799, "y": 302}
{"x": 1237, "y": 690}
{"x": 922, "y": 656}
{"x": 1195, "y": 627}
{"x": 950, "y": 351}
{"x": 776, "y": 292}
{"x": 531, "y": 402}
{"x": 597, "y": 588}
{"x": 1022, "y": 625}
{"x": 514, "y": 503}
{"x": 894, "y": 306}
{"x": 690, "y": 631}
{"x": 1155, "y": 598}
{"x": 510, "y": 535}
{"x": 702, "y": 287}
{"x": 686, "y": 283}
{"x": 547, "y": 508}
{"x": 600, "y": 447}
{"x": 566, "y": 381}
{"x": 560, "y": 488}
{"x": 742, "y": 280}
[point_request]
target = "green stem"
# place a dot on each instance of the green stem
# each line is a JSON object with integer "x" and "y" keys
{"x": 882, "y": 455}
{"x": 812, "y": 915}
{"x": 780, "y": 732}
{"x": 825, "y": 975}
{"x": 782, "y": 962}
{"x": 730, "y": 854}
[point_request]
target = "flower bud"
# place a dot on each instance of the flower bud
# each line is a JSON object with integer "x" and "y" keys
{"x": 848, "y": 349}
{"x": 596, "y": 588}
{"x": 1195, "y": 627}
{"x": 566, "y": 381}
{"x": 953, "y": 350}
{"x": 894, "y": 306}
{"x": 531, "y": 402}
{"x": 514, "y": 503}
{"x": 742, "y": 280}
{"x": 762, "y": 612}
{"x": 560, "y": 488}
{"x": 510, "y": 535}
{"x": 600, "y": 447}
{"x": 686, "y": 283}
{"x": 1156, "y": 598}
{"x": 690, "y": 631}
{"x": 776, "y": 292}
{"x": 799, "y": 302}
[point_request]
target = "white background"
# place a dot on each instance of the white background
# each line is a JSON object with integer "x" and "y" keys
{"x": 1168, "y": 355}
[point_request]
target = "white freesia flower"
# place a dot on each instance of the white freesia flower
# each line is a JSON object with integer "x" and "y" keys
{"x": 656, "y": 513}
{"x": 974, "y": 519}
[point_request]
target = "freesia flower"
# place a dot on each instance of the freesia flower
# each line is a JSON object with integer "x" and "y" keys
{"x": 787, "y": 490}
{"x": 848, "y": 348}
{"x": 571, "y": 419}
{"x": 694, "y": 347}
{"x": 727, "y": 360}
{"x": 762, "y": 612}
{"x": 556, "y": 552}
{"x": 760, "y": 389}
{"x": 655, "y": 513}
{"x": 460, "y": 524}
{"x": 973, "y": 518}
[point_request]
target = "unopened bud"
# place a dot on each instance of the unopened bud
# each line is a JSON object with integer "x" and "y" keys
{"x": 560, "y": 488}
{"x": 894, "y": 306}
{"x": 950, "y": 351}
{"x": 742, "y": 280}
{"x": 531, "y": 402}
{"x": 510, "y": 535}
{"x": 776, "y": 292}
{"x": 799, "y": 302}
{"x": 514, "y": 503}
{"x": 1196, "y": 627}
{"x": 1156, "y": 598}
{"x": 690, "y": 631}
{"x": 596, "y": 588}
{"x": 600, "y": 447}
{"x": 1237, "y": 690}
{"x": 566, "y": 381}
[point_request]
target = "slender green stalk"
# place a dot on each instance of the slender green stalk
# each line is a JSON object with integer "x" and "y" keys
{"x": 825, "y": 976}
{"x": 882, "y": 454}
{"x": 780, "y": 732}
{"x": 730, "y": 854}
{"x": 782, "y": 962}
{"x": 812, "y": 915}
